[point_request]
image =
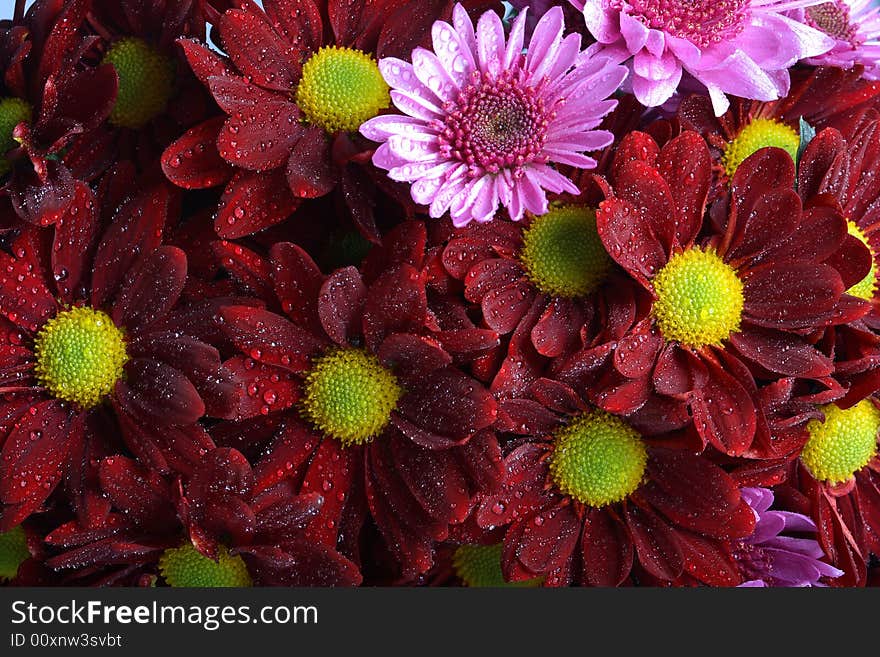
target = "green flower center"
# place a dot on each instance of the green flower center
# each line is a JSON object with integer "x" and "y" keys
{"x": 12, "y": 112}
{"x": 562, "y": 252}
{"x": 80, "y": 355}
{"x": 146, "y": 81}
{"x": 759, "y": 134}
{"x": 13, "y": 552}
{"x": 349, "y": 395}
{"x": 341, "y": 88}
{"x": 480, "y": 566}
{"x": 598, "y": 459}
{"x": 866, "y": 287}
{"x": 699, "y": 298}
{"x": 843, "y": 443}
{"x": 187, "y": 567}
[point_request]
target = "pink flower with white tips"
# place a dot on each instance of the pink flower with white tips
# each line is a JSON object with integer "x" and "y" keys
{"x": 855, "y": 27}
{"x": 739, "y": 47}
{"x": 483, "y": 122}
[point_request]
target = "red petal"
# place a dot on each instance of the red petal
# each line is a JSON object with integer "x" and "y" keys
{"x": 263, "y": 389}
{"x": 203, "y": 61}
{"x": 781, "y": 352}
{"x": 522, "y": 489}
{"x": 771, "y": 218}
{"x": 655, "y": 543}
{"x": 791, "y": 295}
{"x": 300, "y": 23}
{"x": 724, "y": 413}
{"x": 345, "y": 19}
{"x": 248, "y": 268}
{"x": 445, "y": 410}
{"x": 297, "y": 282}
{"x": 434, "y": 479}
{"x": 193, "y": 162}
{"x": 153, "y": 291}
{"x": 235, "y": 94}
{"x": 489, "y": 275}
{"x": 75, "y": 235}
{"x": 269, "y": 338}
{"x": 707, "y": 561}
{"x": 261, "y": 137}
{"x": 33, "y": 454}
{"x": 310, "y": 173}
{"x": 159, "y": 394}
{"x": 286, "y": 454}
{"x": 340, "y": 305}
{"x": 504, "y": 307}
{"x": 258, "y": 51}
{"x": 547, "y": 538}
{"x": 329, "y": 474}
{"x": 607, "y": 549}
{"x": 559, "y": 327}
{"x": 635, "y": 146}
{"x": 136, "y": 232}
{"x": 626, "y": 235}
{"x": 686, "y": 165}
{"x": 396, "y": 303}
{"x": 141, "y": 494}
{"x": 636, "y": 352}
{"x": 24, "y": 297}
{"x": 252, "y": 202}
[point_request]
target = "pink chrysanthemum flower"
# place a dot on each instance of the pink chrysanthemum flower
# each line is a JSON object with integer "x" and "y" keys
{"x": 739, "y": 47}
{"x": 855, "y": 27}
{"x": 483, "y": 122}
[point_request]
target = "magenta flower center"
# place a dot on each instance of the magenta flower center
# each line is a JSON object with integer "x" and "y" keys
{"x": 702, "y": 22}
{"x": 495, "y": 124}
{"x": 832, "y": 18}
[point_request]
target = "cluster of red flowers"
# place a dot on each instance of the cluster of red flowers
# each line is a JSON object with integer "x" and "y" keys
{"x": 237, "y": 348}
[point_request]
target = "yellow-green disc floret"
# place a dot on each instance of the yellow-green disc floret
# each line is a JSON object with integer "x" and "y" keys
{"x": 80, "y": 354}
{"x": 349, "y": 394}
{"x": 13, "y": 552}
{"x": 479, "y": 566}
{"x": 562, "y": 252}
{"x": 699, "y": 298}
{"x": 12, "y": 112}
{"x": 341, "y": 88}
{"x": 759, "y": 134}
{"x": 598, "y": 459}
{"x": 843, "y": 443}
{"x": 146, "y": 82}
{"x": 187, "y": 567}
{"x": 866, "y": 287}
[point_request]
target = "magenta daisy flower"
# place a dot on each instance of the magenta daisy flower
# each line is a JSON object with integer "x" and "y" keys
{"x": 739, "y": 47}
{"x": 855, "y": 27}
{"x": 483, "y": 122}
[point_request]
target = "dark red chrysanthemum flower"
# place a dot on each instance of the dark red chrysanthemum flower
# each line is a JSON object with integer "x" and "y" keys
{"x": 94, "y": 347}
{"x": 50, "y": 106}
{"x": 297, "y": 81}
{"x": 838, "y": 472}
{"x": 158, "y": 96}
{"x": 377, "y": 417}
{"x": 216, "y": 528}
{"x": 824, "y": 97}
{"x": 547, "y": 280}
{"x": 844, "y": 169}
{"x": 735, "y": 298}
{"x": 592, "y": 501}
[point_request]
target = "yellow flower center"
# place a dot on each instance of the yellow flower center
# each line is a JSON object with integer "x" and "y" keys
{"x": 699, "y": 298}
{"x": 13, "y": 552}
{"x": 187, "y": 567}
{"x": 759, "y": 134}
{"x": 843, "y": 443}
{"x": 349, "y": 395}
{"x": 562, "y": 252}
{"x": 146, "y": 81}
{"x": 80, "y": 354}
{"x": 341, "y": 88}
{"x": 479, "y": 566}
{"x": 866, "y": 287}
{"x": 12, "y": 112}
{"x": 598, "y": 459}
